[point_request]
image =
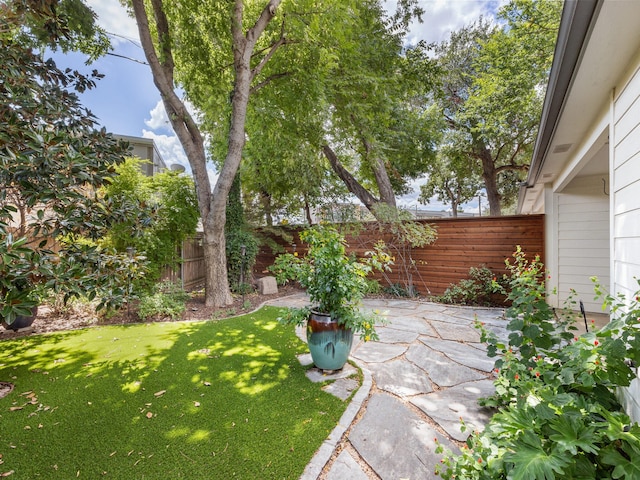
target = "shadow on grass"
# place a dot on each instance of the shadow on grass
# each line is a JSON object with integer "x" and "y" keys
{"x": 168, "y": 400}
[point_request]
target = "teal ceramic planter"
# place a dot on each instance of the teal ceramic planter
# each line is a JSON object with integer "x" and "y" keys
{"x": 329, "y": 342}
{"x": 21, "y": 321}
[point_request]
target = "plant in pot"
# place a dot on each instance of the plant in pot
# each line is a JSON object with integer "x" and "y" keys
{"x": 19, "y": 297}
{"x": 336, "y": 284}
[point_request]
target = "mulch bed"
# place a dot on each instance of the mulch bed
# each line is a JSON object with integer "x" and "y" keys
{"x": 83, "y": 315}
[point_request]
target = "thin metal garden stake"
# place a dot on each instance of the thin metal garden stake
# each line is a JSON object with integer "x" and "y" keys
{"x": 584, "y": 315}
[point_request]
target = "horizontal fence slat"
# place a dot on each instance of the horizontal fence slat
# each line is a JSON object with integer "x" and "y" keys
{"x": 461, "y": 244}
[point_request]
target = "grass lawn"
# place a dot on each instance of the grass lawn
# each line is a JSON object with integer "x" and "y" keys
{"x": 196, "y": 400}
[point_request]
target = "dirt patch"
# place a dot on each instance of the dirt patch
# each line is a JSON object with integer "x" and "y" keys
{"x": 5, "y": 389}
{"x": 81, "y": 315}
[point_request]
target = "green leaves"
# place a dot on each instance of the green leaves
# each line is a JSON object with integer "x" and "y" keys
{"x": 530, "y": 460}
{"x": 573, "y": 435}
{"x": 335, "y": 282}
{"x": 559, "y": 414}
{"x": 53, "y": 160}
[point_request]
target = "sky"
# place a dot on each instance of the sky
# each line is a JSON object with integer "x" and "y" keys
{"x": 127, "y": 102}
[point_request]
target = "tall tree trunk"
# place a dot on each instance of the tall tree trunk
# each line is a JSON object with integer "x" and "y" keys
{"x": 212, "y": 204}
{"x": 265, "y": 199}
{"x": 384, "y": 182}
{"x": 489, "y": 175}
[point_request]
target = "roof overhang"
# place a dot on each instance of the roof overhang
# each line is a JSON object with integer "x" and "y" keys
{"x": 597, "y": 39}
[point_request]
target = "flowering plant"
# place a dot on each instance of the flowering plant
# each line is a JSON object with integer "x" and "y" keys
{"x": 559, "y": 414}
{"x": 335, "y": 281}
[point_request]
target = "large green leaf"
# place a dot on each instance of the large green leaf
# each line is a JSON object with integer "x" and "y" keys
{"x": 531, "y": 461}
{"x": 573, "y": 435}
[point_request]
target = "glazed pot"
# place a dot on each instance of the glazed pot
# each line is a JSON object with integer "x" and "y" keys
{"x": 21, "y": 321}
{"x": 329, "y": 342}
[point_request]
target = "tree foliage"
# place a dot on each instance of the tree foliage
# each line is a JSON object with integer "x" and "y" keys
{"x": 53, "y": 160}
{"x": 348, "y": 97}
{"x": 492, "y": 81}
{"x": 163, "y": 211}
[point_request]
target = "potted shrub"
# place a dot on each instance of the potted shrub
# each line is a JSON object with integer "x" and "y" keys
{"x": 18, "y": 291}
{"x": 336, "y": 284}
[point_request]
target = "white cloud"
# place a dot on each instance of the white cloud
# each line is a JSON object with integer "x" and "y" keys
{"x": 159, "y": 118}
{"x": 169, "y": 147}
{"x": 113, "y": 17}
{"x": 442, "y": 17}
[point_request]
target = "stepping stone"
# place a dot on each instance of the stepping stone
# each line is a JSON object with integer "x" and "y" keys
{"x": 443, "y": 316}
{"x": 305, "y": 359}
{"x": 410, "y": 324}
{"x": 451, "y": 331}
{"x": 393, "y": 335}
{"x": 376, "y": 352}
{"x": 461, "y": 353}
{"x": 342, "y": 388}
{"x": 316, "y": 375}
{"x": 491, "y": 317}
{"x": 395, "y": 441}
{"x": 346, "y": 467}
{"x": 441, "y": 370}
{"x": 448, "y": 406}
{"x": 401, "y": 378}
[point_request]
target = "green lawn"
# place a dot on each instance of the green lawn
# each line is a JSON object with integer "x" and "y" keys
{"x": 162, "y": 401}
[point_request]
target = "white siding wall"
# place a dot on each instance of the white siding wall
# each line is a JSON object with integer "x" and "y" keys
{"x": 625, "y": 178}
{"x": 583, "y": 240}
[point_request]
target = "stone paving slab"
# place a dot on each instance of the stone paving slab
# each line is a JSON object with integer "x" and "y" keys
{"x": 400, "y": 378}
{"x": 441, "y": 370}
{"x": 342, "y": 388}
{"x": 410, "y": 324}
{"x": 461, "y": 353}
{"x": 395, "y": 442}
{"x": 491, "y": 316}
{"x": 316, "y": 375}
{"x": 393, "y": 335}
{"x": 345, "y": 467}
{"x": 373, "y": 352}
{"x": 452, "y": 331}
{"x": 444, "y": 316}
{"x": 447, "y": 407}
{"x": 391, "y": 428}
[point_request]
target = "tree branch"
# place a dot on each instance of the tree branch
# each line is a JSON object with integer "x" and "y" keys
{"x": 352, "y": 184}
{"x": 258, "y": 68}
{"x": 181, "y": 120}
{"x": 267, "y": 81}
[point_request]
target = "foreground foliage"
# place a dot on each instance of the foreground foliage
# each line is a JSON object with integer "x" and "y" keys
{"x": 479, "y": 289}
{"x": 194, "y": 400}
{"x": 163, "y": 212}
{"x": 53, "y": 160}
{"x": 559, "y": 415}
{"x": 336, "y": 282}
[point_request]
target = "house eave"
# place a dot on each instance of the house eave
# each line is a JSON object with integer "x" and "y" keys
{"x": 578, "y": 17}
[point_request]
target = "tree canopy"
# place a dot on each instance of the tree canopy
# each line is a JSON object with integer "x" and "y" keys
{"x": 491, "y": 88}
{"x": 53, "y": 160}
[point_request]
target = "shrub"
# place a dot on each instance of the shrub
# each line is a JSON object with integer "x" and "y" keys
{"x": 559, "y": 415}
{"x": 478, "y": 289}
{"x": 168, "y": 300}
{"x": 399, "y": 290}
{"x": 285, "y": 268}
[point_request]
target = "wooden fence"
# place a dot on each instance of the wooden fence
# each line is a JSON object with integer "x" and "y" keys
{"x": 462, "y": 243}
{"x": 190, "y": 274}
